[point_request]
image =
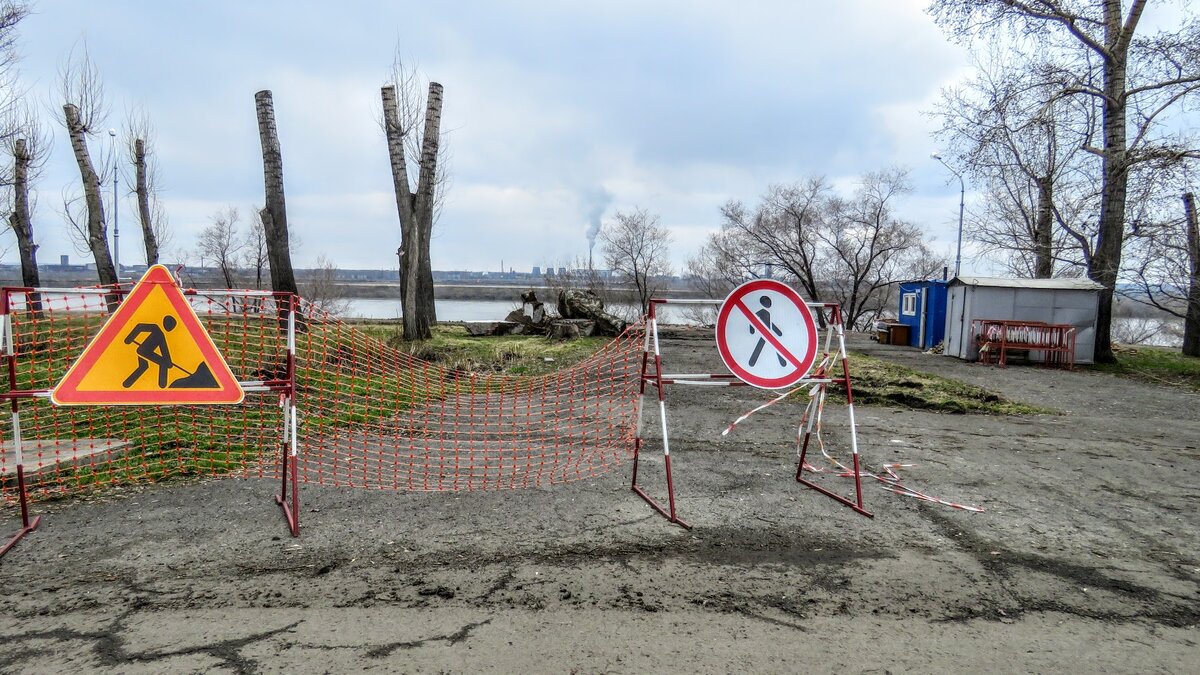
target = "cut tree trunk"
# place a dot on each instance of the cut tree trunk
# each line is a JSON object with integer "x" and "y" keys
{"x": 531, "y": 319}
{"x": 416, "y": 324}
{"x": 97, "y": 229}
{"x": 22, "y": 224}
{"x": 577, "y": 304}
{"x": 143, "y": 200}
{"x": 274, "y": 213}
{"x": 426, "y": 197}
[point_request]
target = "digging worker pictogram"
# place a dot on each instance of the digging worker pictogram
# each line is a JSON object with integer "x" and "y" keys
{"x": 153, "y": 349}
{"x": 764, "y": 315}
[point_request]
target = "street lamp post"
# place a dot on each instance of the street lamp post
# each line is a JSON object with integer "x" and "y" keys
{"x": 112, "y": 133}
{"x": 962, "y": 193}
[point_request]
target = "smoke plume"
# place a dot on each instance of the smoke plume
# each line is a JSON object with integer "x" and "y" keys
{"x": 596, "y": 201}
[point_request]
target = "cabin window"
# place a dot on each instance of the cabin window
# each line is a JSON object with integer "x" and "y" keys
{"x": 908, "y": 304}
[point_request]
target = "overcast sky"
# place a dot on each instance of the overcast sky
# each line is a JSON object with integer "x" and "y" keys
{"x": 556, "y": 111}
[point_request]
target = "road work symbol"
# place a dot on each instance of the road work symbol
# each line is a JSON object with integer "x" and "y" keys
{"x": 766, "y": 334}
{"x": 153, "y": 350}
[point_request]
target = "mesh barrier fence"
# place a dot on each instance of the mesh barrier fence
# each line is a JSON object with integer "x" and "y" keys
{"x": 376, "y": 417}
{"x": 370, "y": 415}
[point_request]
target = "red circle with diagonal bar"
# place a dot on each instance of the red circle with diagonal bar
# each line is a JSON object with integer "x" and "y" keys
{"x": 766, "y": 334}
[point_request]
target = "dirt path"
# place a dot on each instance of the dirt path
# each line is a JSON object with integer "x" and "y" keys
{"x": 1087, "y": 557}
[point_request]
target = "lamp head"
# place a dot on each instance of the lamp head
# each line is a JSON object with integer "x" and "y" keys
{"x": 934, "y": 155}
{"x": 112, "y": 132}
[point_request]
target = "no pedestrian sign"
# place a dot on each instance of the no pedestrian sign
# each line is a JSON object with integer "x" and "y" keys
{"x": 766, "y": 334}
{"x": 153, "y": 350}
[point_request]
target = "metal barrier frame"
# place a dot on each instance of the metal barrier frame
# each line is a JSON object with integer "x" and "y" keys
{"x": 996, "y": 337}
{"x": 285, "y": 388}
{"x": 652, "y": 373}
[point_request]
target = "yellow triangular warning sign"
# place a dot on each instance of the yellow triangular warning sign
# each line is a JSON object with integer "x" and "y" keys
{"x": 151, "y": 351}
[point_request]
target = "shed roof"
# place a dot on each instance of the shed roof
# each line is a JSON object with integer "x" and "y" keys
{"x": 1056, "y": 284}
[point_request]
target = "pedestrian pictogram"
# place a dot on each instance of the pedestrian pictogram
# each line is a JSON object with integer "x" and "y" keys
{"x": 151, "y": 351}
{"x": 766, "y": 334}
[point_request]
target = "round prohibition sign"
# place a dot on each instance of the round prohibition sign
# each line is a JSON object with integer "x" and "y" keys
{"x": 766, "y": 334}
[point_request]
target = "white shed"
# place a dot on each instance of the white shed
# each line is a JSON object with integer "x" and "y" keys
{"x": 1058, "y": 301}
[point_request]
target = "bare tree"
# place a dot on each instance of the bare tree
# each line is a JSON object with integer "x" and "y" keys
{"x": 13, "y": 110}
{"x": 635, "y": 246}
{"x": 84, "y": 109}
{"x": 406, "y": 130}
{"x": 721, "y": 263}
{"x": 783, "y": 231}
{"x": 870, "y": 250}
{"x": 220, "y": 244}
{"x": 29, "y": 148}
{"x": 846, "y": 250}
{"x": 1163, "y": 257}
{"x": 1091, "y": 50}
{"x": 274, "y": 212}
{"x": 322, "y": 291}
{"x": 254, "y": 249}
{"x": 1024, "y": 148}
{"x": 139, "y": 144}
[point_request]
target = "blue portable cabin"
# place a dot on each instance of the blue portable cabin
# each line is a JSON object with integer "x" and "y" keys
{"x": 923, "y": 309}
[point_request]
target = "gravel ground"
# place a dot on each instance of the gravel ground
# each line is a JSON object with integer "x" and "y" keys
{"x": 1086, "y": 557}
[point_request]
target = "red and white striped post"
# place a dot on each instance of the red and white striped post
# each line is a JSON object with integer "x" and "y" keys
{"x": 659, "y": 384}
{"x": 10, "y": 354}
{"x": 288, "y": 464}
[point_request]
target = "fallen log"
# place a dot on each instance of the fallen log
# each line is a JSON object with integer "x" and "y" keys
{"x": 577, "y": 304}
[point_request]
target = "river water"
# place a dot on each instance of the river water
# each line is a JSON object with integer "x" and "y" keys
{"x": 489, "y": 310}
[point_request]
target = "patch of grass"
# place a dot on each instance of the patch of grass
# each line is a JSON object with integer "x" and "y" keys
{"x": 880, "y": 382}
{"x": 453, "y": 347}
{"x": 1158, "y": 365}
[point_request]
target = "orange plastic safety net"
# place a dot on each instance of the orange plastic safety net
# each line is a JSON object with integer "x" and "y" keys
{"x": 369, "y": 415}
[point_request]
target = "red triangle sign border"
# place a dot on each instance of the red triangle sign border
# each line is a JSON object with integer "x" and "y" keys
{"x": 229, "y": 392}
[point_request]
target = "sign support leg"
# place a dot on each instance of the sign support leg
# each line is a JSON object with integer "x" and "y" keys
{"x": 27, "y": 525}
{"x": 857, "y": 504}
{"x": 288, "y": 464}
{"x": 669, "y": 511}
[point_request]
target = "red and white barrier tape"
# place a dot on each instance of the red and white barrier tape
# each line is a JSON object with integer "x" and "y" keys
{"x": 816, "y": 406}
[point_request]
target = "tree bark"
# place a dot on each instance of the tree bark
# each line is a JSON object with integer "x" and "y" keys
{"x": 22, "y": 224}
{"x": 1043, "y": 230}
{"x": 416, "y": 326}
{"x": 1191, "y": 322}
{"x": 425, "y": 199}
{"x": 1106, "y": 260}
{"x": 97, "y": 229}
{"x": 274, "y": 213}
{"x": 143, "y": 200}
